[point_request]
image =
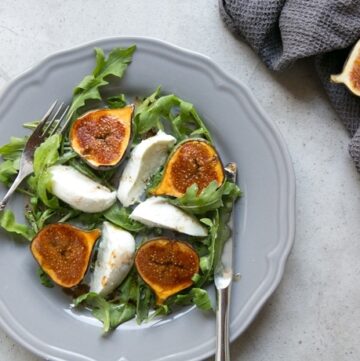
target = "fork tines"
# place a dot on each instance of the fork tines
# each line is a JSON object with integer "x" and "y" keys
{"x": 53, "y": 119}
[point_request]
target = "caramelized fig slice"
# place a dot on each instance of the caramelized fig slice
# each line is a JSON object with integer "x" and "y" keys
{"x": 192, "y": 161}
{"x": 350, "y": 75}
{"x": 101, "y": 136}
{"x": 167, "y": 266}
{"x": 63, "y": 252}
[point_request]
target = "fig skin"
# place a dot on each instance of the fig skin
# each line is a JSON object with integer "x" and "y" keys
{"x": 64, "y": 252}
{"x": 101, "y": 137}
{"x": 193, "y": 161}
{"x": 167, "y": 266}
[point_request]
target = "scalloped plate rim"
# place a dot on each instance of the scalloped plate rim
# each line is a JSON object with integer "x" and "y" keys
{"x": 23, "y": 339}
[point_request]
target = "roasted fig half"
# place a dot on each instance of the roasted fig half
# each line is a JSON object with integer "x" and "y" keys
{"x": 167, "y": 266}
{"x": 192, "y": 161}
{"x": 350, "y": 75}
{"x": 63, "y": 252}
{"x": 101, "y": 136}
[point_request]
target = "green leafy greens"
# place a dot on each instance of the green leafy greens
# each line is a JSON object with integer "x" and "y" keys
{"x": 110, "y": 314}
{"x": 116, "y": 101}
{"x": 11, "y": 153}
{"x": 114, "y": 65}
{"x": 9, "y": 224}
{"x": 120, "y": 217}
{"x": 44, "y": 278}
{"x": 210, "y": 198}
{"x": 180, "y": 115}
{"x": 45, "y": 156}
{"x": 197, "y": 296}
{"x": 13, "y": 149}
{"x": 133, "y": 298}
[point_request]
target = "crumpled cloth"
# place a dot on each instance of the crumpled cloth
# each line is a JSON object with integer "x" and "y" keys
{"x": 283, "y": 31}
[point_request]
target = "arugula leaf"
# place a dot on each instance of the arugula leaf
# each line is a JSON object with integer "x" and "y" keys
{"x": 128, "y": 289}
{"x": 148, "y": 101}
{"x": 144, "y": 302}
{"x": 44, "y": 278}
{"x": 111, "y": 315}
{"x": 181, "y": 116}
{"x": 13, "y": 149}
{"x": 37, "y": 215}
{"x": 31, "y": 218}
{"x": 207, "y": 263}
{"x": 45, "y": 155}
{"x": 120, "y": 217}
{"x": 43, "y": 185}
{"x": 159, "y": 311}
{"x": 201, "y": 299}
{"x": 99, "y": 306}
{"x": 31, "y": 125}
{"x": 151, "y": 116}
{"x": 87, "y": 220}
{"x": 11, "y": 153}
{"x": 66, "y": 157}
{"x": 89, "y": 87}
{"x": 133, "y": 291}
{"x": 8, "y": 170}
{"x": 224, "y": 231}
{"x": 219, "y": 232}
{"x": 8, "y": 223}
{"x": 154, "y": 181}
{"x": 195, "y": 278}
{"x": 210, "y": 198}
{"x": 44, "y": 216}
{"x": 116, "y": 101}
{"x": 197, "y": 296}
{"x": 120, "y": 313}
{"x": 84, "y": 169}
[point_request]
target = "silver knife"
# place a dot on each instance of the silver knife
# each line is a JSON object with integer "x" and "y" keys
{"x": 223, "y": 276}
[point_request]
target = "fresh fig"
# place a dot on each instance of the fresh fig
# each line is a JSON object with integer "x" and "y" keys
{"x": 63, "y": 252}
{"x": 193, "y": 161}
{"x": 350, "y": 75}
{"x": 167, "y": 266}
{"x": 102, "y": 136}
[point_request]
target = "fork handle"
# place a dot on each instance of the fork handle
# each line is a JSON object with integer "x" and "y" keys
{"x": 222, "y": 324}
{"x": 20, "y": 177}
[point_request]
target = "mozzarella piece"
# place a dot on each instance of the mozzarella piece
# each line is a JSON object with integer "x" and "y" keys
{"x": 114, "y": 260}
{"x": 157, "y": 212}
{"x": 146, "y": 158}
{"x": 79, "y": 191}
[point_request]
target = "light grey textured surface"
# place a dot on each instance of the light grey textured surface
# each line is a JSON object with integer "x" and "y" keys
{"x": 314, "y": 314}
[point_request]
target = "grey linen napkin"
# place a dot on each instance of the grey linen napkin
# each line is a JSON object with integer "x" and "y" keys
{"x": 283, "y": 31}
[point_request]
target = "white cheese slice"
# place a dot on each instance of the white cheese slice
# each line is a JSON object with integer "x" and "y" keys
{"x": 145, "y": 159}
{"x": 114, "y": 260}
{"x": 157, "y": 212}
{"x": 79, "y": 191}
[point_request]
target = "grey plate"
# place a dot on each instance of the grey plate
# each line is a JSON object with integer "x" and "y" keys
{"x": 41, "y": 319}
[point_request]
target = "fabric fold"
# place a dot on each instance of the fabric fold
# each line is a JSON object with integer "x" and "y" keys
{"x": 284, "y": 31}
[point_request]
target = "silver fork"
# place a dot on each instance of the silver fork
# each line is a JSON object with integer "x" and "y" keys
{"x": 48, "y": 125}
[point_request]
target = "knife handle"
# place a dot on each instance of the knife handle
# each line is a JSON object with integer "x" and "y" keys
{"x": 222, "y": 324}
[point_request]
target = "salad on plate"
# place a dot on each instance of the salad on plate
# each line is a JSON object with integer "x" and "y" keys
{"x": 127, "y": 211}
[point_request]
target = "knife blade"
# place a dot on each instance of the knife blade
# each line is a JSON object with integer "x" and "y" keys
{"x": 223, "y": 276}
